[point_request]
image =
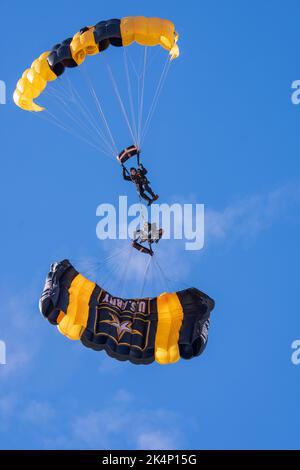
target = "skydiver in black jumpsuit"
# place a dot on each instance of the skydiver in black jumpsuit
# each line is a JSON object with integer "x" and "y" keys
{"x": 139, "y": 178}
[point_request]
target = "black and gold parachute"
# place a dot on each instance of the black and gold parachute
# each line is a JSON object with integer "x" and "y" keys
{"x": 160, "y": 329}
{"x": 91, "y": 40}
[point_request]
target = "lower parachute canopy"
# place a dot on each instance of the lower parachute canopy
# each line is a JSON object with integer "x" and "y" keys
{"x": 162, "y": 328}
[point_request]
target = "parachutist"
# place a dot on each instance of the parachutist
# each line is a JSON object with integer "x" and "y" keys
{"x": 148, "y": 234}
{"x": 142, "y": 184}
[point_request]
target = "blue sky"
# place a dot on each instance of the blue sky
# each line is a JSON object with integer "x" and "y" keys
{"x": 226, "y": 135}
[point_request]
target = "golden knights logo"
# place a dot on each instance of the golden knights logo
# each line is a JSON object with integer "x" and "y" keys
{"x": 126, "y": 322}
{"x": 121, "y": 327}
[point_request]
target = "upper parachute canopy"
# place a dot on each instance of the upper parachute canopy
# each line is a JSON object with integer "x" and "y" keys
{"x": 127, "y": 153}
{"x": 91, "y": 40}
{"x": 162, "y": 328}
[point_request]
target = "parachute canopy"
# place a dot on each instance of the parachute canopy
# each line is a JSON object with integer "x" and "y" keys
{"x": 162, "y": 328}
{"x": 91, "y": 40}
{"x": 127, "y": 153}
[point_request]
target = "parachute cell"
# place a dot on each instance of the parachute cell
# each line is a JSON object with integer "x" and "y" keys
{"x": 162, "y": 328}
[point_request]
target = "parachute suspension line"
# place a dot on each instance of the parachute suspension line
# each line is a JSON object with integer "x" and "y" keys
{"x": 100, "y": 111}
{"x": 157, "y": 93}
{"x": 145, "y": 276}
{"x": 70, "y": 87}
{"x": 116, "y": 268}
{"x": 142, "y": 218}
{"x": 60, "y": 88}
{"x": 102, "y": 115}
{"x": 79, "y": 122}
{"x": 149, "y": 61}
{"x": 98, "y": 264}
{"x": 159, "y": 282}
{"x": 59, "y": 92}
{"x": 141, "y": 96}
{"x": 53, "y": 119}
{"x": 133, "y": 66}
{"x": 155, "y": 100}
{"x": 130, "y": 95}
{"x": 106, "y": 283}
{"x": 86, "y": 112}
{"x": 158, "y": 276}
{"x": 172, "y": 281}
{"x": 105, "y": 122}
{"x": 112, "y": 270}
{"x": 77, "y": 99}
{"x": 48, "y": 116}
{"x": 94, "y": 271}
{"x": 164, "y": 277}
{"x": 105, "y": 261}
{"x": 124, "y": 277}
{"x": 117, "y": 93}
{"x": 155, "y": 53}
